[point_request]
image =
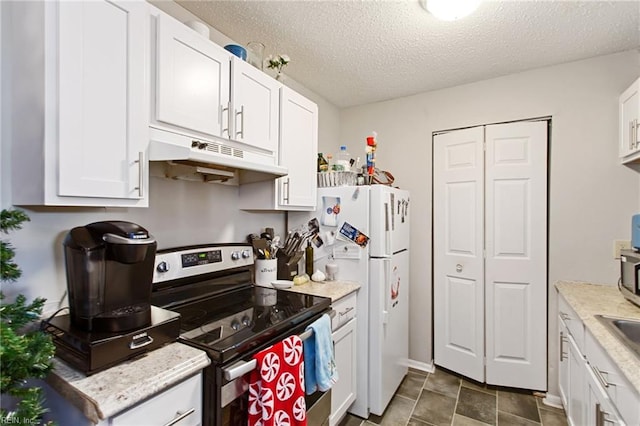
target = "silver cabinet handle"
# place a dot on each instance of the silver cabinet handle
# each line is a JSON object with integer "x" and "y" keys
{"x": 631, "y": 141}
{"x": 635, "y": 133}
{"x": 181, "y": 416}
{"x": 458, "y": 268}
{"x": 599, "y": 416}
{"x": 140, "y": 162}
{"x": 346, "y": 311}
{"x": 562, "y": 352}
{"x": 222, "y": 111}
{"x": 241, "y": 114}
{"x": 599, "y": 376}
{"x": 564, "y": 316}
{"x": 285, "y": 197}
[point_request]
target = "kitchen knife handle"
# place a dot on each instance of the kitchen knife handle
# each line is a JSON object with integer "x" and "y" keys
{"x": 140, "y": 162}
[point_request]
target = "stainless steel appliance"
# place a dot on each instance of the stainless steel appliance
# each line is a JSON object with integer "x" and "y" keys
{"x": 224, "y": 314}
{"x": 109, "y": 273}
{"x": 630, "y": 275}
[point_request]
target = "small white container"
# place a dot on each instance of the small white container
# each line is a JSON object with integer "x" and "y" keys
{"x": 266, "y": 271}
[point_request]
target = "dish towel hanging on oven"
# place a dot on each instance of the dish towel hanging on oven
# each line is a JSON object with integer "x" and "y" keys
{"x": 320, "y": 371}
{"x": 276, "y": 385}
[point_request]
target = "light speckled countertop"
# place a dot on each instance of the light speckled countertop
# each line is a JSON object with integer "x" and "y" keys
{"x": 332, "y": 289}
{"x": 111, "y": 391}
{"x": 588, "y": 300}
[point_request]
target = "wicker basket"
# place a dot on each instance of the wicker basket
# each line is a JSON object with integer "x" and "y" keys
{"x": 329, "y": 179}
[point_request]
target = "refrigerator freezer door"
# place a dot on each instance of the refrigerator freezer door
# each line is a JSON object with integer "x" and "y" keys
{"x": 389, "y": 221}
{"x": 388, "y": 328}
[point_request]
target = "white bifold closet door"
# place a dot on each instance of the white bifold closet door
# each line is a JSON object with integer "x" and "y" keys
{"x": 490, "y": 253}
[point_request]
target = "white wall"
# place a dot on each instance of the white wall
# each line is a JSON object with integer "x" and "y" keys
{"x": 180, "y": 212}
{"x": 591, "y": 196}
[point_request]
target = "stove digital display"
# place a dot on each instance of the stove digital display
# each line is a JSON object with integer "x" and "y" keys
{"x": 201, "y": 258}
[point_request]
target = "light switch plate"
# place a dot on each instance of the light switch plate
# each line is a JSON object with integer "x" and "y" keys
{"x": 620, "y": 245}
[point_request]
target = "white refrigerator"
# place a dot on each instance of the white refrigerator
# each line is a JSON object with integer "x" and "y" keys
{"x": 365, "y": 231}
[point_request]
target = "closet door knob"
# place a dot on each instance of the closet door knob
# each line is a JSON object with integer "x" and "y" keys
{"x": 458, "y": 268}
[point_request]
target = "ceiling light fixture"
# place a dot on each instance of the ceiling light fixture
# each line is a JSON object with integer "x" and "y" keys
{"x": 450, "y": 10}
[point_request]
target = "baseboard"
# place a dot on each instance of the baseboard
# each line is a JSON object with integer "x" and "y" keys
{"x": 552, "y": 401}
{"x": 422, "y": 366}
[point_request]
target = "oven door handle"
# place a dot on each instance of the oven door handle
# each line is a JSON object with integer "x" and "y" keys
{"x": 240, "y": 368}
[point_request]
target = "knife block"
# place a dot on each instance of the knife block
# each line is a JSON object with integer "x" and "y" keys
{"x": 288, "y": 265}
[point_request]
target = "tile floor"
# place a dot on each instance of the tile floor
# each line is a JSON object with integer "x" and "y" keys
{"x": 443, "y": 398}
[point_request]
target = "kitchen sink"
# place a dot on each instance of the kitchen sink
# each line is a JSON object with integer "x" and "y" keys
{"x": 626, "y": 330}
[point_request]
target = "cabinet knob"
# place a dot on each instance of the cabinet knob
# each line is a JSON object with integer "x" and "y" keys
{"x": 459, "y": 268}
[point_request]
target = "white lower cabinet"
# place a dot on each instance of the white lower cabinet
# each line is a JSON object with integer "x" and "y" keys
{"x": 343, "y": 392}
{"x": 180, "y": 405}
{"x": 576, "y": 393}
{"x": 600, "y": 410}
{"x": 592, "y": 388}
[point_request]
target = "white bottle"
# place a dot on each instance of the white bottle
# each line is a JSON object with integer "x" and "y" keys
{"x": 343, "y": 160}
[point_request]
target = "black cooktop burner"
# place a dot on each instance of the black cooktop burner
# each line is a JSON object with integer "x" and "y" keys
{"x": 237, "y": 321}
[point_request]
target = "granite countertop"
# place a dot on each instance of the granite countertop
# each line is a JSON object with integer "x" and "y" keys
{"x": 111, "y": 391}
{"x": 333, "y": 289}
{"x": 588, "y": 300}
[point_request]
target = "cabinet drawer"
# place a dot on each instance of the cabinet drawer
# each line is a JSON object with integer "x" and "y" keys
{"x": 618, "y": 389}
{"x": 345, "y": 310}
{"x": 572, "y": 321}
{"x": 182, "y": 400}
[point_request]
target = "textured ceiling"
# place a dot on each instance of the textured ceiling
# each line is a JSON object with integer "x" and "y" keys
{"x": 357, "y": 52}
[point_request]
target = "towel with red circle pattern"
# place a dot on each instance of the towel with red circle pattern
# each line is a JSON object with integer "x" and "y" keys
{"x": 276, "y": 386}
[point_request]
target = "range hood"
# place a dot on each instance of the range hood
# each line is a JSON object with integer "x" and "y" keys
{"x": 208, "y": 157}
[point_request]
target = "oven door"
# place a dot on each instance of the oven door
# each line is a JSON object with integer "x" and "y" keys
{"x": 226, "y": 396}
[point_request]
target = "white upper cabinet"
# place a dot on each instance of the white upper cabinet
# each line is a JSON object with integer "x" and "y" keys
{"x": 192, "y": 80}
{"x": 254, "y": 100}
{"x": 208, "y": 93}
{"x": 629, "y": 127}
{"x": 79, "y": 103}
{"x": 297, "y": 152}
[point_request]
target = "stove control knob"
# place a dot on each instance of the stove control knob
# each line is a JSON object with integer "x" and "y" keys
{"x": 246, "y": 254}
{"x": 163, "y": 267}
{"x": 235, "y": 325}
{"x": 235, "y": 255}
{"x": 246, "y": 321}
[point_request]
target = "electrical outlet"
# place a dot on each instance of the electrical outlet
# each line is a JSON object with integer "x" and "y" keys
{"x": 620, "y": 245}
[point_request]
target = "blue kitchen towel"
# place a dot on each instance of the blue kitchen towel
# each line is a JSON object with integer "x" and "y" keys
{"x": 320, "y": 371}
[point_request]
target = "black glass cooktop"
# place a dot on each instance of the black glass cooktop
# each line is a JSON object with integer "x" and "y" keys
{"x": 237, "y": 321}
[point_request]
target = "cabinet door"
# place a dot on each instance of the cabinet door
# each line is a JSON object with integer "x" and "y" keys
{"x": 629, "y": 121}
{"x": 343, "y": 393}
{"x": 180, "y": 405}
{"x": 599, "y": 409}
{"x": 576, "y": 405}
{"x": 298, "y": 151}
{"x": 192, "y": 81}
{"x": 103, "y": 119}
{"x": 254, "y": 100}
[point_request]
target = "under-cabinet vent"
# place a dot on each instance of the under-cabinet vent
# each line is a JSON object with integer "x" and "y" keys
{"x": 213, "y": 147}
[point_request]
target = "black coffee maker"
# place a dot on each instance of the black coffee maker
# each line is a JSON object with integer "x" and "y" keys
{"x": 109, "y": 276}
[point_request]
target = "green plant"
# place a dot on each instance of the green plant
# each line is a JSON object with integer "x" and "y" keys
{"x": 25, "y": 351}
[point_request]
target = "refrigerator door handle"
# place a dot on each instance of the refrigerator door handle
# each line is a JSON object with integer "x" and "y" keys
{"x": 387, "y": 230}
{"x": 387, "y": 290}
